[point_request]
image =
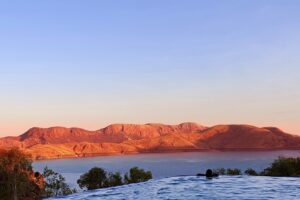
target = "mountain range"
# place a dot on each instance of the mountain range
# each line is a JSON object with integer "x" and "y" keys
{"x": 60, "y": 142}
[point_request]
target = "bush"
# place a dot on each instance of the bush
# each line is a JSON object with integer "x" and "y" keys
{"x": 233, "y": 171}
{"x": 95, "y": 178}
{"x": 283, "y": 167}
{"x": 137, "y": 175}
{"x": 114, "y": 179}
{"x": 251, "y": 172}
{"x": 220, "y": 171}
{"x": 55, "y": 184}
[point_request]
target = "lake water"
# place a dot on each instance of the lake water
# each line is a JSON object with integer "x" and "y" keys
{"x": 192, "y": 187}
{"x": 166, "y": 164}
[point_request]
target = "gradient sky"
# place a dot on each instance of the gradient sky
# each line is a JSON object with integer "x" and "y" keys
{"x": 92, "y": 63}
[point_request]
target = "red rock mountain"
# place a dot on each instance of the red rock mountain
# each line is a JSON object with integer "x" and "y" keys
{"x": 59, "y": 142}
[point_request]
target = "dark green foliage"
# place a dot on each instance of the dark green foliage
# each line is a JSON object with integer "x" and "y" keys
{"x": 95, "y": 178}
{"x": 233, "y": 171}
{"x": 55, "y": 184}
{"x": 137, "y": 175}
{"x": 229, "y": 171}
{"x": 114, "y": 179}
{"x": 17, "y": 179}
{"x": 220, "y": 171}
{"x": 283, "y": 167}
{"x": 251, "y": 172}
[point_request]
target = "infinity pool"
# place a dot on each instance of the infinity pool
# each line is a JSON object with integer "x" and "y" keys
{"x": 192, "y": 187}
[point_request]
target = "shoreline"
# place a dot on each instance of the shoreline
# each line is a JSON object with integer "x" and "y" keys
{"x": 165, "y": 152}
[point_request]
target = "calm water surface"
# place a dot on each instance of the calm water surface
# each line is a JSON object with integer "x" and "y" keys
{"x": 165, "y": 165}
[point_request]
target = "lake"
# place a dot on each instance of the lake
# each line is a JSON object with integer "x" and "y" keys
{"x": 164, "y": 164}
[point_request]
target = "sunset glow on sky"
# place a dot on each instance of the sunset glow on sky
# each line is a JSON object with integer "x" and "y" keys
{"x": 65, "y": 63}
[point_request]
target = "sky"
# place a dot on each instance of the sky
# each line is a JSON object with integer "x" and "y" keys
{"x": 89, "y": 64}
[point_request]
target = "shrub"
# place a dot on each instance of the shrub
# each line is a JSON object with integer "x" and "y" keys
{"x": 114, "y": 179}
{"x": 220, "y": 171}
{"x": 251, "y": 172}
{"x": 95, "y": 178}
{"x": 283, "y": 167}
{"x": 233, "y": 171}
{"x": 55, "y": 184}
{"x": 137, "y": 175}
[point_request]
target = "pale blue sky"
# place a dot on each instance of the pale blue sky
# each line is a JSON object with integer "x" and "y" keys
{"x": 92, "y": 63}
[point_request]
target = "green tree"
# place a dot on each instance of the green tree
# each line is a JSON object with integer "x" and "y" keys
{"x": 55, "y": 184}
{"x": 251, "y": 172}
{"x": 114, "y": 179}
{"x": 233, "y": 171}
{"x": 283, "y": 167}
{"x": 95, "y": 178}
{"x": 17, "y": 179}
{"x": 137, "y": 175}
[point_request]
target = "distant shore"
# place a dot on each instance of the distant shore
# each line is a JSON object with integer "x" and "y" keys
{"x": 124, "y": 139}
{"x": 160, "y": 152}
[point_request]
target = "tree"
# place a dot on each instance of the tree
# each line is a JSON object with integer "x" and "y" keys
{"x": 95, "y": 178}
{"x": 283, "y": 167}
{"x": 233, "y": 171}
{"x": 55, "y": 184}
{"x": 17, "y": 179}
{"x": 137, "y": 175}
{"x": 251, "y": 172}
{"x": 114, "y": 179}
{"x": 220, "y": 171}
